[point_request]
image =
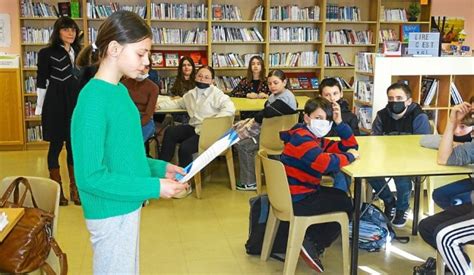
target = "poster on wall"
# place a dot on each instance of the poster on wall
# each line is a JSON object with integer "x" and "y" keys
{"x": 5, "y": 30}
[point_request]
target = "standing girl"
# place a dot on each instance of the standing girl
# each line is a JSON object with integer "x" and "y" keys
{"x": 280, "y": 102}
{"x": 113, "y": 175}
{"x": 57, "y": 95}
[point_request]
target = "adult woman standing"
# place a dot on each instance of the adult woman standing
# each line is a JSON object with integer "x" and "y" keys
{"x": 57, "y": 96}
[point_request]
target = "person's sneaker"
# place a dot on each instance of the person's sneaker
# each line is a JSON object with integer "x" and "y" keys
{"x": 390, "y": 209}
{"x": 427, "y": 268}
{"x": 183, "y": 194}
{"x": 400, "y": 218}
{"x": 310, "y": 255}
{"x": 247, "y": 187}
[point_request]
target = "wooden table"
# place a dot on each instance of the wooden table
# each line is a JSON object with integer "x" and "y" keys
{"x": 13, "y": 216}
{"x": 389, "y": 156}
{"x": 243, "y": 105}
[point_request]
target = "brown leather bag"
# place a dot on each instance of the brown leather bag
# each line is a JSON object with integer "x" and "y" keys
{"x": 27, "y": 246}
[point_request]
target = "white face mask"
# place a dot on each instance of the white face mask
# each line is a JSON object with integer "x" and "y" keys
{"x": 141, "y": 77}
{"x": 320, "y": 127}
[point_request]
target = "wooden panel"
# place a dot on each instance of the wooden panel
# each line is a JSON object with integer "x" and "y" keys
{"x": 11, "y": 118}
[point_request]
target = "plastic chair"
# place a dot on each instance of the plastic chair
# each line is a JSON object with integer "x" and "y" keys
{"x": 46, "y": 192}
{"x": 468, "y": 249}
{"x": 211, "y": 130}
{"x": 270, "y": 140}
{"x": 281, "y": 209}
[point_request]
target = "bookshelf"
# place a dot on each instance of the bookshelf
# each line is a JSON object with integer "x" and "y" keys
{"x": 447, "y": 70}
{"x": 205, "y": 20}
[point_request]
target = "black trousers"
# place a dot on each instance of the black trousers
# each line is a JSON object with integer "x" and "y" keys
{"x": 54, "y": 150}
{"x": 325, "y": 200}
{"x": 188, "y": 140}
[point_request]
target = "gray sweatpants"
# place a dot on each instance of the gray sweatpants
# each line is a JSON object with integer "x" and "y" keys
{"x": 115, "y": 243}
{"x": 247, "y": 150}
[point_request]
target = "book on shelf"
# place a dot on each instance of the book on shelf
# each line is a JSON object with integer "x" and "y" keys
{"x": 335, "y": 59}
{"x": 364, "y": 90}
{"x": 171, "y": 59}
{"x": 392, "y": 48}
{"x": 34, "y": 133}
{"x": 75, "y": 9}
{"x": 405, "y": 31}
{"x": 342, "y": 13}
{"x": 64, "y": 9}
{"x": 426, "y": 84}
{"x": 456, "y": 97}
{"x": 258, "y": 13}
{"x": 28, "y": 8}
{"x": 364, "y": 115}
{"x": 388, "y": 35}
{"x": 295, "y": 13}
{"x": 231, "y": 34}
{"x": 226, "y": 12}
{"x": 349, "y": 37}
{"x": 429, "y": 93}
{"x": 314, "y": 83}
{"x": 294, "y": 83}
{"x": 344, "y": 84}
{"x": 182, "y": 11}
{"x": 365, "y": 62}
{"x": 305, "y": 84}
{"x": 294, "y": 34}
{"x": 227, "y": 83}
{"x": 391, "y": 15}
{"x": 157, "y": 59}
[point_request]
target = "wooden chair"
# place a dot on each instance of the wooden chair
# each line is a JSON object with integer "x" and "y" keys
{"x": 468, "y": 249}
{"x": 270, "y": 140}
{"x": 46, "y": 192}
{"x": 211, "y": 130}
{"x": 281, "y": 209}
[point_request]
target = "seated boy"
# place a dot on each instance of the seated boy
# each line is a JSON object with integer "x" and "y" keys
{"x": 331, "y": 90}
{"x": 449, "y": 230}
{"x": 307, "y": 155}
{"x": 400, "y": 117}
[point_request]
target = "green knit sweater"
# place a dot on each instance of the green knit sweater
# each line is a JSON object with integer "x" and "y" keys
{"x": 113, "y": 175}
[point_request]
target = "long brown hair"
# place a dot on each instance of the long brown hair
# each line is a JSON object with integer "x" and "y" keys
{"x": 249, "y": 69}
{"x": 64, "y": 22}
{"x": 122, "y": 26}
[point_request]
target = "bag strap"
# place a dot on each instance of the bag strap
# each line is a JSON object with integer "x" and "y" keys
{"x": 63, "y": 268}
{"x": 14, "y": 187}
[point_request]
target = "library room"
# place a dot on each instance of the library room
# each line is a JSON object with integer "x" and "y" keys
{"x": 237, "y": 137}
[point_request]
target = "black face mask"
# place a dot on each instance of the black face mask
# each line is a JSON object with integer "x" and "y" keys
{"x": 201, "y": 85}
{"x": 462, "y": 139}
{"x": 396, "y": 107}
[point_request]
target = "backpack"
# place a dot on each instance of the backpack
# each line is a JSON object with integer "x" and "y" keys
{"x": 259, "y": 207}
{"x": 375, "y": 230}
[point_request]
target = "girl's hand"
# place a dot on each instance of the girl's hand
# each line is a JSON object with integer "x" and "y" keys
{"x": 262, "y": 95}
{"x": 172, "y": 170}
{"x": 169, "y": 188}
{"x": 252, "y": 95}
{"x": 336, "y": 113}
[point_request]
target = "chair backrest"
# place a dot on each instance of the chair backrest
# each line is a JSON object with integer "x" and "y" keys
{"x": 269, "y": 134}
{"x": 46, "y": 192}
{"x": 278, "y": 189}
{"x": 212, "y": 129}
{"x": 469, "y": 250}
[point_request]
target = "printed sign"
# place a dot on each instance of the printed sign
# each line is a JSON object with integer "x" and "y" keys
{"x": 423, "y": 44}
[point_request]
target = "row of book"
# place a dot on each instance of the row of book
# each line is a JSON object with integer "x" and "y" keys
{"x": 342, "y": 13}
{"x": 364, "y": 115}
{"x": 335, "y": 59}
{"x": 349, "y": 37}
{"x": 34, "y": 133}
{"x": 168, "y": 11}
{"x": 28, "y": 8}
{"x": 36, "y": 35}
{"x": 344, "y": 83}
{"x": 388, "y": 35}
{"x": 226, "y": 12}
{"x": 365, "y": 62}
{"x": 229, "y": 34}
{"x": 303, "y": 83}
{"x": 30, "y": 59}
{"x": 389, "y": 15}
{"x": 364, "y": 90}
{"x": 30, "y": 108}
{"x": 295, "y": 13}
{"x": 456, "y": 97}
{"x": 294, "y": 34}
{"x": 100, "y": 11}
{"x": 294, "y": 59}
{"x": 227, "y": 83}
{"x": 258, "y": 13}
{"x": 231, "y": 59}
{"x": 30, "y": 84}
{"x": 179, "y": 36}
{"x": 92, "y": 33}
{"x": 429, "y": 89}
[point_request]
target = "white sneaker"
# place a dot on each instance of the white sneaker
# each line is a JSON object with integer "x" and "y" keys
{"x": 183, "y": 194}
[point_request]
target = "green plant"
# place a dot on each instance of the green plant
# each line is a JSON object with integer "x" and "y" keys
{"x": 414, "y": 10}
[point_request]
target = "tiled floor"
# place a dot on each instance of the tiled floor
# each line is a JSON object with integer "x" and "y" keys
{"x": 206, "y": 236}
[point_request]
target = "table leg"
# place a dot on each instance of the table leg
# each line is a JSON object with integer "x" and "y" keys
{"x": 416, "y": 210}
{"x": 355, "y": 226}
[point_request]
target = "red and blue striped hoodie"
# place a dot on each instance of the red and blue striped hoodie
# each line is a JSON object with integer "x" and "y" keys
{"x": 307, "y": 158}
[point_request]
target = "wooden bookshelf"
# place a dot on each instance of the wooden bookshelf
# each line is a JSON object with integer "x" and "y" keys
{"x": 370, "y": 20}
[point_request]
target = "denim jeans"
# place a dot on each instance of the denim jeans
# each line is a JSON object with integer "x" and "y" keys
{"x": 403, "y": 185}
{"x": 456, "y": 193}
{"x": 341, "y": 182}
{"x": 148, "y": 130}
